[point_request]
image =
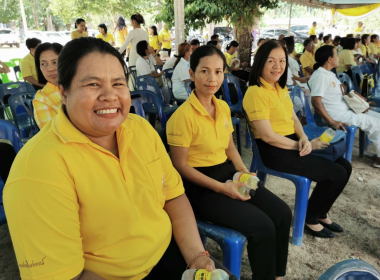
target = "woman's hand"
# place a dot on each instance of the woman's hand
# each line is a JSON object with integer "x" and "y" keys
{"x": 231, "y": 190}
{"x": 304, "y": 146}
{"x": 203, "y": 263}
{"x": 151, "y": 50}
{"x": 317, "y": 144}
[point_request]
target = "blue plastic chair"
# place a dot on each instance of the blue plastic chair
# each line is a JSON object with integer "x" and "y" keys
{"x": 168, "y": 74}
{"x": 149, "y": 83}
{"x": 142, "y": 98}
{"x": 188, "y": 88}
{"x": 313, "y": 131}
{"x": 133, "y": 72}
{"x": 230, "y": 241}
{"x": 158, "y": 67}
{"x": 21, "y": 106}
{"x": 9, "y": 132}
{"x": 357, "y": 77}
{"x": 238, "y": 107}
{"x": 345, "y": 79}
{"x": 8, "y": 89}
{"x": 18, "y": 73}
{"x": 302, "y": 185}
{"x": 351, "y": 270}
{"x": 301, "y": 72}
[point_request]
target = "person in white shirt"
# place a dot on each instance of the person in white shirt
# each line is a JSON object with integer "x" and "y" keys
{"x": 327, "y": 98}
{"x": 181, "y": 71}
{"x": 170, "y": 63}
{"x": 147, "y": 59}
{"x": 133, "y": 37}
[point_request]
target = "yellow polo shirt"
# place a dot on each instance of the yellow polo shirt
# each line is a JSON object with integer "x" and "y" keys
{"x": 75, "y": 34}
{"x": 358, "y": 30}
{"x": 120, "y": 36}
{"x": 307, "y": 60}
{"x": 155, "y": 41}
{"x": 373, "y": 48}
{"x": 191, "y": 126}
{"x": 346, "y": 57}
{"x": 312, "y": 31}
{"x": 268, "y": 103}
{"x": 28, "y": 67}
{"x": 166, "y": 35}
{"x": 229, "y": 57}
{"x": 109, "y": 39}
{"x": 46, "y": 104}
{"x": 365, "y": 49}
{"x": 72, "y": 205}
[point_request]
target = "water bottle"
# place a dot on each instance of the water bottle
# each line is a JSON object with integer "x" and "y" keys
{"x": 251, "y": 180}
{"x": 203, "y": 274}
{"x": 327, "y": 136}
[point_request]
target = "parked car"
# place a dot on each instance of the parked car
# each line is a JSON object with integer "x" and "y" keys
{"x": 274, "y": 33}
{"x": 54, "y": 37}
{"x": 226, "y": 33}
{"x": 8, "y": 37}
{"x": 301, "y": 29}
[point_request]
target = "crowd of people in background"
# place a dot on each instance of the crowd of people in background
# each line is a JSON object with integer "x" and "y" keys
{"x": 90, "y": 145}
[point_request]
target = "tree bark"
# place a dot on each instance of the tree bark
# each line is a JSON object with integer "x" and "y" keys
{"x": 242, "y": 34}
{"x": 49, "y": 23}
{"x": 68, "y": 26}
{"x": 35, "y": 17}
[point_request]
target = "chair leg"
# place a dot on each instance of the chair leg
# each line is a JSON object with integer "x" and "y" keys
{"x": 238, "y": 136}
{"x": 232, "y": 249}
{"x": 362, "y": 143}
{"x": 350, "y": 137}
{"x": 302, "y": 196}
{"x": 248, "y": 143}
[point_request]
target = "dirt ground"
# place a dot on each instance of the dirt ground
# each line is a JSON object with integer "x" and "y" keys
{"x": 357, "y": 210}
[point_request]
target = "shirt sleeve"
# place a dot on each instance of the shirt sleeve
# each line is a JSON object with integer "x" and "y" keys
{"x": 317, "y": 85}
{"x": 256, "y": 104}
{"x": 304, "y": 61}
{"x": 26, "y": 71}
{"x": 43, "y": 220}
{"x": 179, "y": 130}
{"x": 183, "y": 72}
{"x": 349, "y": 59}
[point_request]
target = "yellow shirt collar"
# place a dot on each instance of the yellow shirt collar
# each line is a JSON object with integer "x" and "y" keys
{"x": 52, "y": 87}
{"x": 199, "y": 107}
{"x": 68, "y": 133}
{"x": 266, "y": 85}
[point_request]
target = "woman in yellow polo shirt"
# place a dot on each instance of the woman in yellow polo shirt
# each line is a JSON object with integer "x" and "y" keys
{"x": 366, "y": 40}
{"x": 230, "y": 55}
{"x": 282, "y": 143}
{"x": 94, "y": 194}
{"x": 155, "y": 40}
{"x": 121, "y": 32}
{"x": 47, "y": 101}
{"x": 203, "y": 151}
{"x": 80, "y": 25}
{"x": 104, "y": 35}
{"x": 346, "y": 57}
{"x": 374, "y": 46}
{"x": 307, "y": 58}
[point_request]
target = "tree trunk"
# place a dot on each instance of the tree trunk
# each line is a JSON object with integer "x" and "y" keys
{"x": 68, "y": 26}
{"x": 113, "y": 24}
{"x": 242, "y": 34}
{"x": 49, "y": 23}
{"x": 36, "y": 25}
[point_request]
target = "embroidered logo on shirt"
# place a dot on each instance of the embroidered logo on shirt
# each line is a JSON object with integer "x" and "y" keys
{"x": 226, "y": 124}
{"x": 163, "y": 184}
{"x": 26, "y": 264}
{"x": 333, "y": 84}
{"x": 175, "y": 134}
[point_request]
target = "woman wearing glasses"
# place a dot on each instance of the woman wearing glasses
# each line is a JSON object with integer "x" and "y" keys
{"x": 307, "y": 58}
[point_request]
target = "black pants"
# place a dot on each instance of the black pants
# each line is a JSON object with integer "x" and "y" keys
{"x": 331, "y": 177}
{"x": 172, "y": 265}
{"x": 168, "y": 50}
{"x": 264, "y": 219}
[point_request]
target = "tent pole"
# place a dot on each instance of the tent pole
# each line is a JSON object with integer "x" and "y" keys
{"x": 290, "y": 16}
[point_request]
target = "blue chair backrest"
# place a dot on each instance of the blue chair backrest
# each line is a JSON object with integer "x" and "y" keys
{"x": 139, "y": 98}
{"x": 365, "y": 70}
{"x": 188, "y": 88}
{"x": 148, "y": 83}
{"x": 9, "y": 132}
{"x": 231, "y": 79}
{"x": 297, "y": 91}
{"x": 345, "y": 79}
{"x": 168, "y": 73}
{"x": 12, "y": 88}
{"x": 23, "y": 118}
{"x": 301, "y": 72}
{"x": 357, "y": 77}
{"x": 158, "y": 67}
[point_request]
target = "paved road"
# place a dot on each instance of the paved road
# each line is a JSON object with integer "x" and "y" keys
{"x": 7, "y": 53}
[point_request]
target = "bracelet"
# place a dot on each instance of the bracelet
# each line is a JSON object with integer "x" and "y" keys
{"x": 242, "y": 168}
{"x": 201, "y": 254}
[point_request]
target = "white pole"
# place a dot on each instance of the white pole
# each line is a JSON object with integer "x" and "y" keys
{"x": 23, "y": 19}
{"x": 290, "y": 16}
{"x": 179, "y": 20}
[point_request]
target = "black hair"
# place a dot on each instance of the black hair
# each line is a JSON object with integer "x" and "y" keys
{"x": 141, "y": 47}
{"x": 194, "y": 42}
{"x": 373, "y": 37}
{"x": 357, "y": 40}
{"x": 215, "y": 37}
{"x": 343, "y": 41}
{"x": 261, "y": 39}
{"x": 154, "y": 30}
{"x": 57, "y": 48}
{"x": 289, "y": 44}
{"x": 102, "y": 25}
{"x": 314, "y": 22}
{"x": 364, "y": 37}
{"x": 202, "y": 52}
{"x": 79, "y": 21}
{"x": 320, "y": 36}
{"x": 325, "y": 38}
{"x": 232, "y": 44}
{"x": 138, "y": 18}
{"x": 312, "y": 37}
{"x": 32, "y": 43}
{"x": 350, "y": 35}
{"x": 349, "y": 43}
{"x": 337, "y": 39}
{"x": 260, "y": 60}
{"x": 120, "y": 23}
{"x": 77, "y": 49}
{"x": 212, "y": 43}
{"x": 306, "y": 43}
{"x": 322, "y": 55}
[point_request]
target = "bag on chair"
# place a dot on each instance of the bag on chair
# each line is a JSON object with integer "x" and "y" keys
{"x": 367, "y": 85}
{"x": 355, "y": 102}
{"x": 333, "y": 152}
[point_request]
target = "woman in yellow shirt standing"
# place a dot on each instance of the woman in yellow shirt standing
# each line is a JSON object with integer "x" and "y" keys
{"x": 307, "y": 58}
{"x": 203, "y": 151}
{"x": 80, "y": 25}
{"x": 155, "y": 40}
{"x": 282, "y": 142}
{"x": 121, "y": 32}
{"x": 107, "y": 37}
{"x": 47, "y": 101}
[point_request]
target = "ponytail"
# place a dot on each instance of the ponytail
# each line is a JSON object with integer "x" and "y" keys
{"x": 232, "y": 44}
{"x": 182, "y": 49}
{"x": 316, "y": 66}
